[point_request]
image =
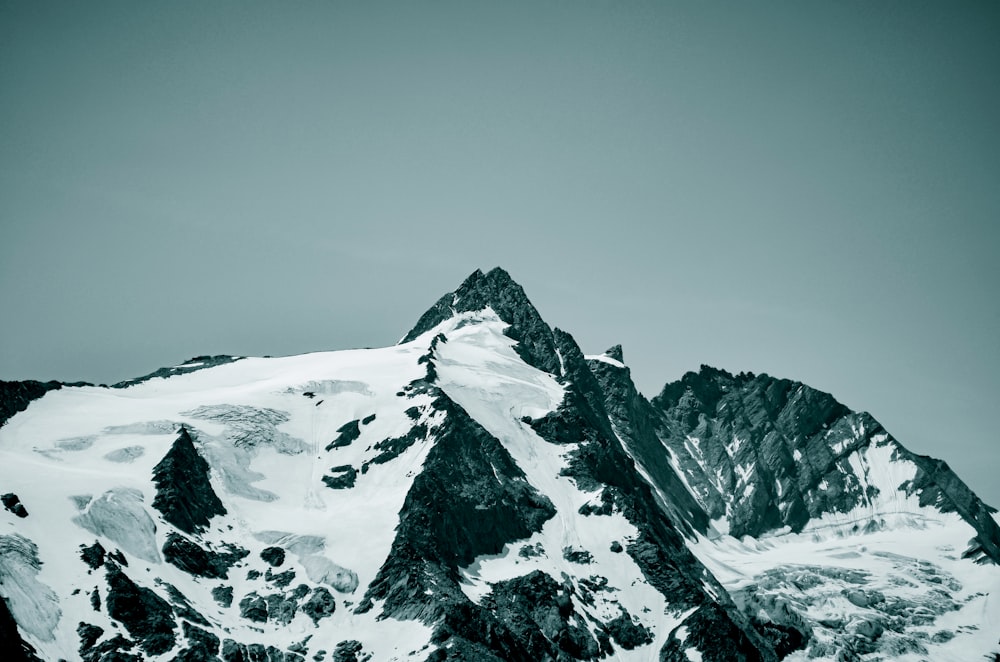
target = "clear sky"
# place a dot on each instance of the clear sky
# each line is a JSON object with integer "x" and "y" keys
{"x": 807, "y": 189}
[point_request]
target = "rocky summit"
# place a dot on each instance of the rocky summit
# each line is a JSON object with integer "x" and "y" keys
{"x": 482, "y": 491}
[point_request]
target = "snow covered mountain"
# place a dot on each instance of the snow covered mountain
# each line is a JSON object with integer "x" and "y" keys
{"x": 481, "y": 491}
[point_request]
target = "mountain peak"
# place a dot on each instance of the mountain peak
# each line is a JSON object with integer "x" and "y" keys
{"x": 495, "y": 289}
{"x": 615, "y": 352}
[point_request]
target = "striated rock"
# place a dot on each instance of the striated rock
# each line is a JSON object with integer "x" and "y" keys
{"x": 767, "y": 453}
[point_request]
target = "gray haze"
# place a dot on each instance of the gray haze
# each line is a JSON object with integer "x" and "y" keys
{"x": 806, "y": 189}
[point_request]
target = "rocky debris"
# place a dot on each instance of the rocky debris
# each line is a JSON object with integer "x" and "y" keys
{"x": 606, "y": 506}
{"x": 13, "y": 504}
{"x": 223, "y": 595}
{"x": 273, "y": 556}
{"x": 119, "y": 516}
{"x": 95, "y": 600}
{"x": 531, "y": 551}
{"x": 347, "y": 651}
{"x": 148, "y": 618}
{"x": 184, "y": 493}
{"x": 16, "y": 396}
{"x": 616, "y": 546}
{"x": 627, "y": 631}
{"x": 347, "y": 434}
{"x": 189, "y": 366}
{"x": 277, "y": 608}
{"x": 190, "y": 557}
{"x": 253, "y": 607}
{"x": 233, "y": 651}
{"x": 319, "y": 605}
{"x": 281, "y": 580}
{"x": 581, "y": 556}
{"x": 344, "y": 477}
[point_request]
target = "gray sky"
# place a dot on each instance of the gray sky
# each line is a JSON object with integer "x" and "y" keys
{"x": 807, "y": 189}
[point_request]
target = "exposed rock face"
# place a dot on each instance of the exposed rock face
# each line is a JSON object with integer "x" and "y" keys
{"x": 470, "y": 499}
{"x": 184, "y": 492}
{"x": 147, "y": 617}
{"x": 767, "y": 453}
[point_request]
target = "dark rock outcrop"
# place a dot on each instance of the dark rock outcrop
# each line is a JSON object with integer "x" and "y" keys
{"x": 12, "y": 503}
{"x": 273, "y": 556}
{"x": 347, "y": 434}
{"x": 197, "y": 561}
{"x": 148, "y": 618}
{"x": 184, "y": 492}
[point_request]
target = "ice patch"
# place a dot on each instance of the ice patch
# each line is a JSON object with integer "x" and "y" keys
{"x": 127, "y": 454}
{"x": 34, "y": 605}
{"x": 119, "y": 516}
{"x": 144, "y": 427}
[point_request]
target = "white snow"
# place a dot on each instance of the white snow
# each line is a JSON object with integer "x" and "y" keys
{"x": 604, "y": 358}
{"x": 74, "y": 437}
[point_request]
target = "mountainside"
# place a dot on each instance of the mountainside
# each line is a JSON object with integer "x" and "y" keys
{"x": 481, "y": 491}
